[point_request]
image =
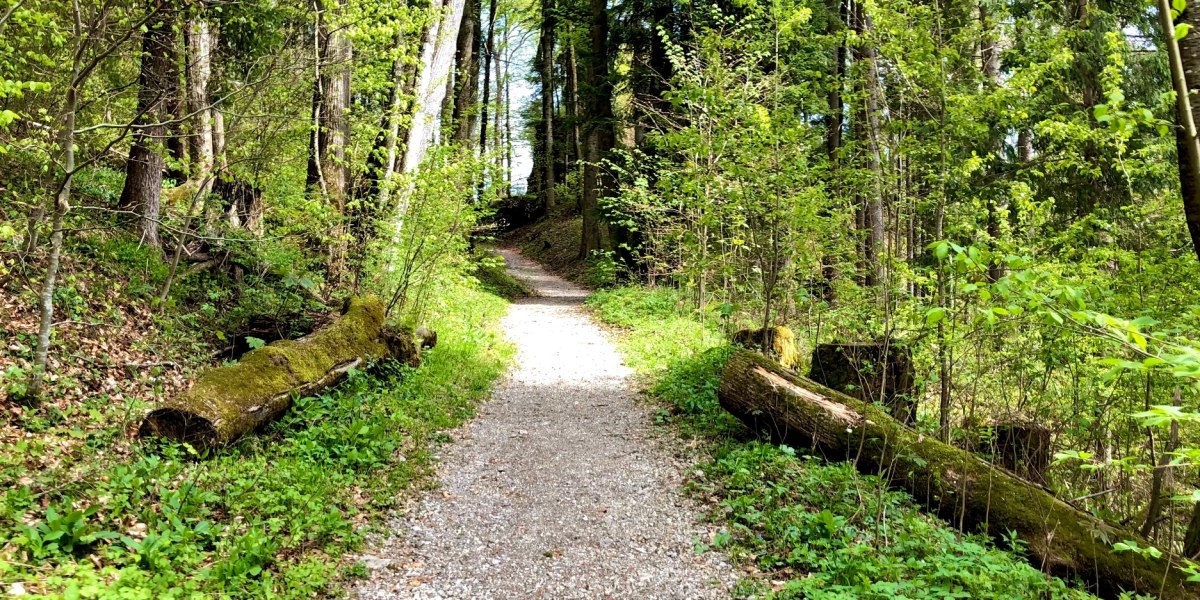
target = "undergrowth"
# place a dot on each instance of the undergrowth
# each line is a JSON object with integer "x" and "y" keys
{"x": 273, "y": 516}
{"x": 803, "y": 528}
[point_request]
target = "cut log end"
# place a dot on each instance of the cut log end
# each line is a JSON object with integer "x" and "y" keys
{"x": 180, "y": 425}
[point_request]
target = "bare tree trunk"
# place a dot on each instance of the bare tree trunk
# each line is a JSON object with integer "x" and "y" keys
{"x": 466, "y": 71}
{"x": 437, "y": 60}
{"x": 571, "y": 98}
{"x": 334, "y": 134}
{"x": 1161, "y": 480}
{"x": 1184, "y": 56}
{"x": 836, "y": 118}
{"x": 489, "y": 54}
{"x": 62, "y": 204}
{"x": 546, "y": 70}
{"x": 199, "y": 73}
{"x": 508, "y": 146}
{"x": 600, "y": 134}
{"x": 868, "y": 122}
{"x": 157, "y": 78}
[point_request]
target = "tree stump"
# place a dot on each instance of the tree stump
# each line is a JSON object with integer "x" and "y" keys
{"x": 878, "y": 372}
{"x": 779, "y": 343}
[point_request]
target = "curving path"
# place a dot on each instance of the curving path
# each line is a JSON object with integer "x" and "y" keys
{"x": 559, "y": 488}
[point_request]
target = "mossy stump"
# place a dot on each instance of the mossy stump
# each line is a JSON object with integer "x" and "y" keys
{"x": 227, "y": 402}
{"x": 875, "y": 372}
{"x": 958, "y": 485}
{"x": 779, "y": 343}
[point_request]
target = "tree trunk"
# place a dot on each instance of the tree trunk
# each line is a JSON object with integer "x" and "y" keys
{"x": 600, "y": 134}
{"x": 546, "y": 74}
{"x": 489, "y": 54}
{"x": 334, "y": 132}
{"x": 867, "y": 123}
{"x": 956, "y": 484}
{"x": 466, "y": 69}
{"x": 835, "y": 119}
{"x": 227, "y": 402}
{"x": 989, "y": 54}
{"x": 158, "y": 81}
{"x": 199, "y": 73}
{"x": 571, "y": 99}
{"x": 1184, "y": 58}
{"x": 62, "y": 204}
{"x": 437, "y": 60}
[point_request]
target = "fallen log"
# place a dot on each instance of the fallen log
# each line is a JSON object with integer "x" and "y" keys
{"x": 226, "y": 402}
{"x": 956, "y": 484}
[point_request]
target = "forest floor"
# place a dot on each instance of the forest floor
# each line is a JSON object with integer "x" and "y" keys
{"x": 561, "y": 487}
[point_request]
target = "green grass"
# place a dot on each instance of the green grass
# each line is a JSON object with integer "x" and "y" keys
{"x": 803, "y": 528}
{"x": 273, "y": 516}
{"x": 493, "y": 277}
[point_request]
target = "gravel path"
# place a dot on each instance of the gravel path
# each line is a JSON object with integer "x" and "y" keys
{"x": 559, "y": 488}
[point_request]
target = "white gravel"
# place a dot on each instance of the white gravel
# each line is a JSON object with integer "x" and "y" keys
{"x": 559, "y": 488}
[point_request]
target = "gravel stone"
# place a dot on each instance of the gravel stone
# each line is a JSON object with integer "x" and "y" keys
{"x": 560, "y": 487}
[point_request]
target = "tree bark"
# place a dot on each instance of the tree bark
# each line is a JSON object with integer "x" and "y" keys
{"x": 466, "y": 61}
{"x": 227, "y": 402}
{"x": 600, "y": 134}
{"x": 546, "y": 74}
{"x": 336, "y": 56}
{"x": 835, "y": 120}
{"x": 571, "y": 99}
{"x": 489, "y": 54}
{"x": 437, "y": 60}
{"x": 867, "y": 123}
{"x": 1184, "y": 59}
{"x": 199, "y": 73}
{"x": 958, "y": 485}
{"x": 158, "y": 81}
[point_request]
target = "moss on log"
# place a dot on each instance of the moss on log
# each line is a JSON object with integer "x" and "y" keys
{"x": 226, "y": 402}
{"x": 958, "y": 485}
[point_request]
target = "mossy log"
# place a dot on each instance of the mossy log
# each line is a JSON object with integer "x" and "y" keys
{"x": 954, "y": 483}
{"x": 779, "y": 342}
{"x": 877, "y": 372}
{"x": 227, "y": 402}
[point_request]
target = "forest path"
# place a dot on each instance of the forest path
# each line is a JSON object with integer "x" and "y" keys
{"x": 560, "y": 487}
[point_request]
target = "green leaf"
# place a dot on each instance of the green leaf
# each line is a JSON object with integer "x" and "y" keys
{"x": 934, "y": 316}
{"x": 254, "y": 342}
{"x": 1181, "y": 30}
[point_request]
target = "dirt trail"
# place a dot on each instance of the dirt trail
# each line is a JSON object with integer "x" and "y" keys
{"x": 560, "y": 487}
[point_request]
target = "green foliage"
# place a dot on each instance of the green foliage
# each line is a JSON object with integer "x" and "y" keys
{"x": 852, "y": 538}
{"x": 268, "y": 517}
{"x": 809, "y": 529}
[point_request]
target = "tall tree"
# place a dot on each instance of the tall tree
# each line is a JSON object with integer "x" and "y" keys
{"x": 600, "y": 131}
{"x": 546, "y": 76}
{"x": 466, "y": 69}
{"x": 200, "y": 45}
{"x": 1184, "y": 60}
{"x": 870, "y": 138}
{"x": 158, "y": 78}
{"x": 327, "y": 160}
